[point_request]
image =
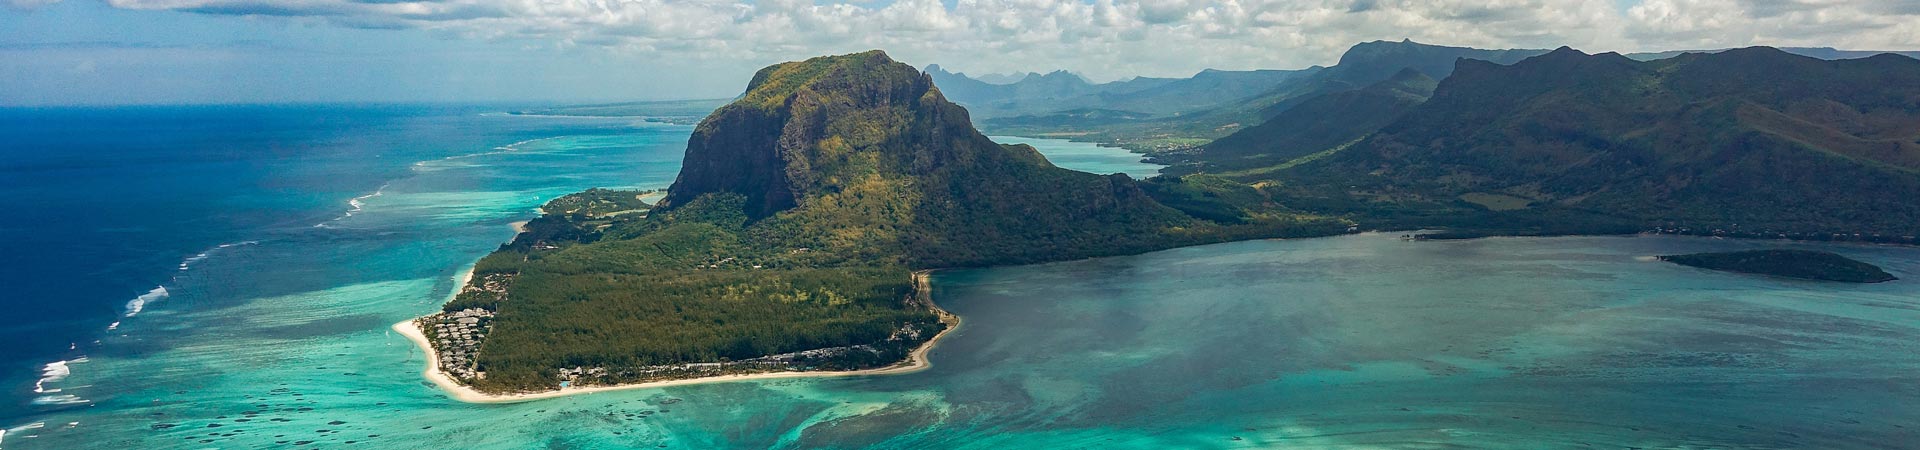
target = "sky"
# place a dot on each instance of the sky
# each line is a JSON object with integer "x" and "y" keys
{"x": 116, "y": 52}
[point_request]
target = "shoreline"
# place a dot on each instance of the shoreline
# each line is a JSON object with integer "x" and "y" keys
{"x": 916, "y": 361}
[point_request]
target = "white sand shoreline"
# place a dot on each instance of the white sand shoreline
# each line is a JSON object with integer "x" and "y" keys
{"x": 916, "y": 361}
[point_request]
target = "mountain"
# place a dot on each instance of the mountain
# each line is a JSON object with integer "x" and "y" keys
{"x": 1315, "y": 125}
{"x": 1054, "y": 86}
{"x": 787, "y": 240}
{"x": 1811, "y": 52}
{"x": 1363, "y": 65}
{"x": 1215, "y": 113}
{"x": 1370, "y": 62}
{"x": 1751, "y": 141}
{"x": 858, "y": 154}
{"x": 1057, "y": 92}
{"x": 1205, "y": 89}
{"x": 1002, "y": 78}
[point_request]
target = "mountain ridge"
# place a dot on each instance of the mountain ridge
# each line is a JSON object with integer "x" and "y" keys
{"x": 1752, "y": 141}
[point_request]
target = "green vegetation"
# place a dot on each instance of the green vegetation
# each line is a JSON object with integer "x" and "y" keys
{"x": 598, "y": 202}
{"x": 1744, "y": 143}
{"x": 1312, "y": 126}
{"x": 787, "y": 241}
{"x": 1802, "y": 264}
{"x": 580, "y": 217}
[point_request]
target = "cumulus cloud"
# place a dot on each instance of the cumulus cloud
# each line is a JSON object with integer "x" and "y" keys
{"x": 1102, "y": 38}
{"x": 1856, "y": 24}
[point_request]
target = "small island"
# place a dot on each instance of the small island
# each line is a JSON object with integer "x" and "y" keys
{"x": 1800, "y": 264}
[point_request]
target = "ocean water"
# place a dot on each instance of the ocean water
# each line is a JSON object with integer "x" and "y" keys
{"x": 138, "y": 233}
{"x": 1087, "y": 157}
{"x": 1361, "y": 341}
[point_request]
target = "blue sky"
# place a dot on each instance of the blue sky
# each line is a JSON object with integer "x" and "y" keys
{"x": 57, "y": 52}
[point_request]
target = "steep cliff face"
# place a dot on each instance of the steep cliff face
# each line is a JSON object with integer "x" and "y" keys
{"x": 864, "y": 156}
{"x": 809, "y": 127}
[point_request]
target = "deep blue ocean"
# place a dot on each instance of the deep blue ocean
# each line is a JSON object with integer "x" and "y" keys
{"x": 108, "y": 207}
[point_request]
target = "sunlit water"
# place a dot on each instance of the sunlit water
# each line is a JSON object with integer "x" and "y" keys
{"x": 1088, "y": 157}
{"x": 1357, "y": 341}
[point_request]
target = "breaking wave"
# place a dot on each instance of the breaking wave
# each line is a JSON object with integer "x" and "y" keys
{"x": 19, "y": 429}
{"x": 509, "y": 148}
{"x": 140, "y": 303}
{"x": 52, "y": 373}
{"x": 355, "y": 205}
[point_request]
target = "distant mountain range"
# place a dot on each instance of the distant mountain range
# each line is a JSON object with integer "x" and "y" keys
{"x": 1811, "y": 52}
{"x": 1003, "y": 78}
{"x": 1193, "y": 112}
{"x": 1061, "y": 91}
{"x": 1208, "y": 109}
{"x": 1756, "y": 141}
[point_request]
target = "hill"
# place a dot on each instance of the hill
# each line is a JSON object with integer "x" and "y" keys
{"x": 1312, "y": 126}
{"x": 1753, "y": 142}
{"x": 787, "y": 239}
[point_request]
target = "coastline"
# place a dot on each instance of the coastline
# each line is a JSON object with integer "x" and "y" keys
{"x": 915, "y": 362}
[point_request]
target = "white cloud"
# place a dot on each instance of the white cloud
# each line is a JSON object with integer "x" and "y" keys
{"x": 1104, "y": 38}
{"x": 1851, "y": 24}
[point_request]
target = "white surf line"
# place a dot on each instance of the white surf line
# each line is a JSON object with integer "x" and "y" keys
{"x": 19, "y": 429}
{"x": 139, "y": 303}
{"x": 54, "y": 372}
{"x": 509, "y": 148}
{"x": 356, "y": 205}
{"x": 57, "y": 371}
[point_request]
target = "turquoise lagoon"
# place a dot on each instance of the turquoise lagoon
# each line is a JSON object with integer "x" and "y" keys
{"x": 1362, "y": 341}
{"x": 1087, "y": 156}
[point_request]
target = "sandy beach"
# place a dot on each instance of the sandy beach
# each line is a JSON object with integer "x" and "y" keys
{"x": 917, "y": 361}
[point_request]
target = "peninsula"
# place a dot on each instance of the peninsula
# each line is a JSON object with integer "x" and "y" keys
{"x": 1801, "y": 264}
{"x": 791, "y": 240}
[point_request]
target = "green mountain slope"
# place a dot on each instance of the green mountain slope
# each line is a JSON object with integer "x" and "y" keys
{"x": 1363, "y": 65}
{"x": 1313, "y": 126}
{"x": 1751, "y": 141}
